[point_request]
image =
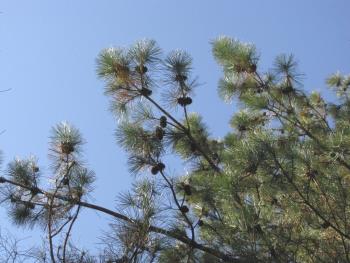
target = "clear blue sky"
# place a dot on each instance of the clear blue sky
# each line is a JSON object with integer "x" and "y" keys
{"x": 47, "y": 59}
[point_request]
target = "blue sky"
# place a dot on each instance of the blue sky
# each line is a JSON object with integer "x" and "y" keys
{"x": 47, "y": 59}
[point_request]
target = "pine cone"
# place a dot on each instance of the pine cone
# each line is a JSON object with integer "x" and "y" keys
{"x": 242, "y": 127}
{"x": 252, "y": 68}
{"x": 65, "y": 181}
{"x": 155, "y": 169}
{"x": 193, "y": 147}
{"x": 141, "y": 69}
{"x": 287, "y": 89}
{"x": 180, "y": 77}
{"x": 183, "y": 101}
{"x": 188, "y": 101}
{"x": 13, "y": 199}
{"x": 161, "y": 166}
{"x": 325, "y": 225}
{"x": 67, "y": 147}
{"x": 34, "y": 191}
{"x": 290, "y": 111}
{"x": 312, "y": 174}
{"x": 184, "y": 209}
{"x": 30, "y": 206}
{"x": 238, "y": 68}
{"x": 163, "y": 121}
{"x": 259, "y": 90}
{"x": 187, "y": 189}
{"x": 146, "y": 92}
{"x": 159, "y": 133}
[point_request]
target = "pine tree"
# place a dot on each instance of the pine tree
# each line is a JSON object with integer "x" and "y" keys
{"x": 274, "y": 189}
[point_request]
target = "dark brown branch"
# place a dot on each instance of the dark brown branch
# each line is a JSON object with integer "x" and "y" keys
{"x": 68, "y": 233}
{"x": 171, "y": 186}
{"x": 188, "y": 134}
{"x": 155, "y": 229}
{"x": 305, "y": 201}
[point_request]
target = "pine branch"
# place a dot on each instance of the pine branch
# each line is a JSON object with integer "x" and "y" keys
{"x": 170, "y": 234}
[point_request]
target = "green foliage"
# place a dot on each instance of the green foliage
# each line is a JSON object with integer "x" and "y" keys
{"x": 235, "y": 55}
{"x": 145, "y": 52}
{"x": 183, "y": 145}
{"x": 275, "y": 188}
{"x": 112, "y": 61}
{"x": 278, "y": 178}
{"x": 340, "y": 83}
{"x": 65, "y": 142}
{"x": 28, "y": 204}
{"x": 178, "y": 65}
{"x": 286, "y": 66}
{"x": 124, "y": 71}
{"x": 24, "y": 171}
